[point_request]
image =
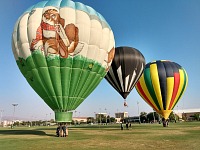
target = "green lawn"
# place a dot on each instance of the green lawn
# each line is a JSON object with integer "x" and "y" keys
{"x": 178, "y": 136}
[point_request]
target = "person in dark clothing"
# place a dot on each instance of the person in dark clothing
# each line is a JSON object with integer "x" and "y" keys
{"x": 64, "y": 130}
{"x": 58, "y": 131}
{"x": 122, "y": 126}
{"x": 127, "y": 125}
{"x": 164, "y": 122}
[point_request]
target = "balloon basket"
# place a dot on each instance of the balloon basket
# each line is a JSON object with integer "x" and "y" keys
{"x": 63, "y": 116}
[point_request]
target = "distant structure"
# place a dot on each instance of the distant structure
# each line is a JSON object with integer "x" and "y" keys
{"x": 79, "y": 120}
{"x": 100, "y": 114}
{"x": 187, "y": 113}
{"x": 120, "y": 116}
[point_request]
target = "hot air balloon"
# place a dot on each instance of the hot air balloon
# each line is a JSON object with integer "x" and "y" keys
{"x": 127, "y": 67}
{"x": 63, "y": 49}
{"x": 161, "y": 85}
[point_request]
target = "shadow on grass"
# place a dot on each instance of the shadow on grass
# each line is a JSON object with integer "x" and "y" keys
{"x": 25, "y": 132}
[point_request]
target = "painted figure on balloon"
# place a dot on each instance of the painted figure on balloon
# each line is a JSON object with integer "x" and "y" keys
{"x": 53, "y": 37}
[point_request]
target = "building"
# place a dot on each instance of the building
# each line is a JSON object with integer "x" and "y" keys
{"x": 187, "y": 113}
{"x": 120, "y": 115}
{"x": 100, "y": 114}
{"x": 79, "y": 120}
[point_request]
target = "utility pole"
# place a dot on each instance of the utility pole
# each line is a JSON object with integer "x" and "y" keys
{"x": 14, "y": 105}
{"x": 1, "y": 116}
{"x": 106, "y": 115}
{"x": 153, "y": 117}
{"x": 138, "y": 111}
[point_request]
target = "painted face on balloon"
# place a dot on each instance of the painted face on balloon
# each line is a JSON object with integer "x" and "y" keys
{"x": 51, "y": 17}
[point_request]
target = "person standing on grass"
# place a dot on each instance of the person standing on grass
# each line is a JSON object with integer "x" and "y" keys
{"x": 127, "y": 125}
{"x": 64, "y": 128}
{"x": 61, "y": 131}
{"x": 58, "y": 131}
{"x": 122, "y": 126}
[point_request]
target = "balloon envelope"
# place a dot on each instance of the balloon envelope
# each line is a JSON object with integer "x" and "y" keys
{"x": 162, "y": 84}
{"x": 63, "y": 49}
{"x": 125, "y": 70}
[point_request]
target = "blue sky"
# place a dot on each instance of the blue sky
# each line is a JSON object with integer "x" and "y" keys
{"x": 159, "y": 29}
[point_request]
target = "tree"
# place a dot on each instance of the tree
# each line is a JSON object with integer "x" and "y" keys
{"x": 143, "y": 117}
{"x": 90, "y": 120}
{"x": 101, "y": 118}
{"x": 151, "y": 116}
{"x": 196, "y": 116}
{"x": 173, "y": 117}
{"x": 108, "y": 119}
{"x": 112, "y": 119}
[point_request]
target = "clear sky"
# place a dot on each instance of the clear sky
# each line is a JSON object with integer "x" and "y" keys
{"x": 160, "y": 29}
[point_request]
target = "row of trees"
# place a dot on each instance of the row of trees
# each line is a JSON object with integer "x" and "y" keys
{"x": 153, "y": 116}
{"x": 33, "y": 123}
{"x": 144, "y": 118}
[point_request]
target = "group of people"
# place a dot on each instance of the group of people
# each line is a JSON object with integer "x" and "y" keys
{"x": 127, "y": 126}
{"x": 62, "y": 130}
{"x": 165, "y": 122}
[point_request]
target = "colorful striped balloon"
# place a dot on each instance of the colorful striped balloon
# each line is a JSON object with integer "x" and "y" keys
{"x": 161, "y": 85}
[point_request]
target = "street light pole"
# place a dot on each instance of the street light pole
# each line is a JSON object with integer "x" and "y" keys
{"x": 14, "y": 105}
{"x": 138, "y": 112}
{"x": 100, "y": 116}
{"x": 106, "y": 115}
{"x": 1, "y": 116}
{"x": 153, "y": 117}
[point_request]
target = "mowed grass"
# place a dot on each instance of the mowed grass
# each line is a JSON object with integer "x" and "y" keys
{"x": 178, "y": 136}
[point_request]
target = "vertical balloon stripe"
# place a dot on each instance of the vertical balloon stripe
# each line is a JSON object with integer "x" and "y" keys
{"x": 29, "y": 73}
{"x": 131, "y": 84}
{"x": 94, "y": 77}
{"x": 111, "y": 78}
{"x": 79, "y": 65}
{"x": 163, "y": 82}
{"x": 66, "y": 71}
{"x": 119, "y": 73}
{"x": 185, "y": 80}
{"x": 141, "y": 66}
{"x": 148, "y": 82}
{"x": 45, "y": 76}
{"x": 144, "y": 90}
{"x": 126, "y": 83}
{"x": 144, "y": 96}
{"x": 35, "y": 81}
{"x": 180, "y": 87}
{"x": 175, "y": 90}
{"x": 55, "y": 77}
{"x": 170, "y": 87}
{"x": 92, "y": 86}
{"x": 156, "y": 83}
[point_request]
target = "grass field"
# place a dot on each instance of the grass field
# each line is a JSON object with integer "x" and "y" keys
{"x": 178, "y": 136}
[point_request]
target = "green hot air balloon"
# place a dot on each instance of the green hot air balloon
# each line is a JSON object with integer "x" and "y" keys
{"x": 63, "y": 49}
